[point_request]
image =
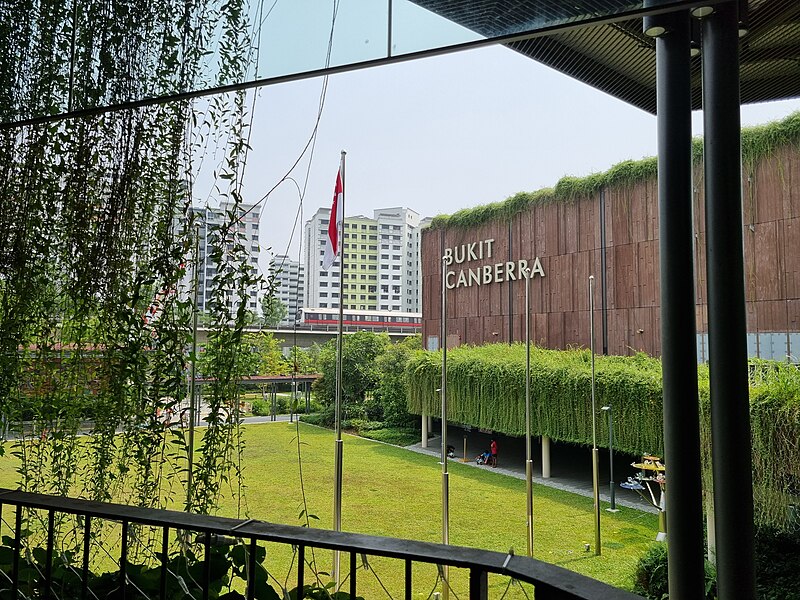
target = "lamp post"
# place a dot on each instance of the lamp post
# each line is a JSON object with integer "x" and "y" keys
{"x": 445, "y": 474}
{"x": 613, "y": 507}
{"x": 528, "y": 455}
{"x": 595, "y": 453}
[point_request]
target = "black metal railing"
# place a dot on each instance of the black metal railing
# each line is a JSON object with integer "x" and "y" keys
{"x": 549, "y": 582}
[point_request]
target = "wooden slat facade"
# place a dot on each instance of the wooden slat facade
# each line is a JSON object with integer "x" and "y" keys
{"x": 568, "y": 240}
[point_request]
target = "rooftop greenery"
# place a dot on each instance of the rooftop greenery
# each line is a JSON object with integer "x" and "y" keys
{"x": 757, "y": 143}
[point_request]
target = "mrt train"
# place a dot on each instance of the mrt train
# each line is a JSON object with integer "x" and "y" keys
{"x": 370, "y": 320}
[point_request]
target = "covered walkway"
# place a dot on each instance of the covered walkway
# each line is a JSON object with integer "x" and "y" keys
{"x": 570, "y": 465}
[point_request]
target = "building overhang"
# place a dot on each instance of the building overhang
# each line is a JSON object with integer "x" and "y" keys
{"x": 617, "y": 57}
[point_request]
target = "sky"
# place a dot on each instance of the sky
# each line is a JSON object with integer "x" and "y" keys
{"x": 438, "y": 135}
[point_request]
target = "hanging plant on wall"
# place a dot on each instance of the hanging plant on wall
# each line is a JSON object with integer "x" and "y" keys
{"x": 96, "y": 212}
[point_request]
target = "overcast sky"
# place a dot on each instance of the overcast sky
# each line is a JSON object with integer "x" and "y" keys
{"x": 438, "y": 135}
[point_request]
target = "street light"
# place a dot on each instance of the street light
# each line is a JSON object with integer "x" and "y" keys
{"x": 445, "y": 475}
{"x": 528, "y": 456}
{"x": 595, "y": 455}
{"x": 611, "y": 457}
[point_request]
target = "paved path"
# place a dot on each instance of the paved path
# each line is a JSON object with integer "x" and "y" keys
{"x": 570, "y": 465}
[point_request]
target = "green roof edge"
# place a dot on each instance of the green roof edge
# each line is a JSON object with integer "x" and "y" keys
{"x": 758, "y": 142}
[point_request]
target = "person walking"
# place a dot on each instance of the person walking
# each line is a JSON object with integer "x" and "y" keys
{"x": 493, "y": 450}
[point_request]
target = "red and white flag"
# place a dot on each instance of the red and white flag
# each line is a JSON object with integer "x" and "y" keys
{"x": 334, "y": 223}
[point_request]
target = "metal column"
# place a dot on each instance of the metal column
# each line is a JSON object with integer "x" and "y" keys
{"x": 727, "y": 326}
{"x": 678, "y": 329}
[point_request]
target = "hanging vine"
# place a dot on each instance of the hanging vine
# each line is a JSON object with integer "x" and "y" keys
{"x": 95, "y": 309}
{"x": 486, "y": 388}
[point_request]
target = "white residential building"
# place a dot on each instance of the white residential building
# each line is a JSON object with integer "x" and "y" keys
{"x": 398, "y": 258}
{"x": 289, "y": 282}
{"x": 382, "y": 262}
{"x": 208, "y": 221}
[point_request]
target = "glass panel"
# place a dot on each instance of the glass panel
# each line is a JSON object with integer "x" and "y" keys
{"x": 295, "y": 35}
{"x": 62, "y": 59}
{"x": 415, "y": 28}
{"x": 429, "y": 24}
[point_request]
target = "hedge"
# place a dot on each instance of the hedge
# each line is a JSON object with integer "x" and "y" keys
{"x": 486, "y": 388}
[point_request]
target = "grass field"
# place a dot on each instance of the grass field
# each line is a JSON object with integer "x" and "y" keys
{"x": 394, "y": 492}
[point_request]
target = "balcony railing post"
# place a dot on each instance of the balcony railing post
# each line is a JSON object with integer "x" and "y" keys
{"x": 48, "y": 567}
{"x": 164, "y": 562}
{"x": 17, "y": 551}
{"x": 408, "y": 579}
{"x": 301, "y": 563}
{"x": 207, "y": 565}
{"x": 251, "y": 567}
{"x": 123, "y": 562}
{"x": 87, "y": 537}
{"x": 353, "y": 574}
{"x": 478, "y": 584}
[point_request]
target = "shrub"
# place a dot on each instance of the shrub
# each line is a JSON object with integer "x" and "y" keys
{"x": 397, "y": 436}
{"x": 651, "y": 580}
{"x": 364, "y": 425}
{"x": 315, "y": 405}
{"x": 283, "y": 402}
{"x": 324, "y": 418}
{"x": 313, "y": 419}
{"x": 260, "y": 407}
{"x": 777, "y": 564}
{"x": 650, "y": 577}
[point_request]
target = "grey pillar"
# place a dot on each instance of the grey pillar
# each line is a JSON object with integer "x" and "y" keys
{"x": 545, "y": 457}
{"x": 678, "y": 329}
{"x": 727, "y": 324}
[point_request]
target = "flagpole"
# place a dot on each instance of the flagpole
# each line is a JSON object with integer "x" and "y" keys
{"x": 528, "y": 454}
{"x": 337, "y": 469}
{"x": 445, "y": 474}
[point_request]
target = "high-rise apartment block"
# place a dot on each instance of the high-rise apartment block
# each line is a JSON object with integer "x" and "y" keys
{"x": 381, "y": 257}
{"x": 208, "y": 222}
{"x": 289, "y": 284}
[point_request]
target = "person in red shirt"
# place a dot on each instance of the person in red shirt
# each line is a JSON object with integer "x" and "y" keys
{"x": 493, "y": 450}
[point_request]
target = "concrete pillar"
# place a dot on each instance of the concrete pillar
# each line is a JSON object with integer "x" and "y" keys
{"x": 545, "y": 457}
{"x": 727, "y": 315}
{"x": 425, "y": 419}
{"x": 678, "y": 299}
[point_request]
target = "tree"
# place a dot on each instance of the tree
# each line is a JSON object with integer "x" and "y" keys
{"x": 360, "y": 373}
{"x": 267, "y": 354}
{"x": 390, "y": 397}
{"x": 305, "y": 359}
{"x": 273, "y": 310}
{"x": 246, "y": 360}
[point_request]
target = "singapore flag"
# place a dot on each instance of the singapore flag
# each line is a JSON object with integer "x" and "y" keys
{"x": 334, "y": 223}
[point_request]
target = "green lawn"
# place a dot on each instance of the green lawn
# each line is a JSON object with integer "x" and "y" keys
{"x": 394, "y": 492}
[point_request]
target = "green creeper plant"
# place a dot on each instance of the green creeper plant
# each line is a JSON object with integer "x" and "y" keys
{"x": 758, "y": 143}
{"x": 486, "y": 388}
{"x": 95, "y": 314}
